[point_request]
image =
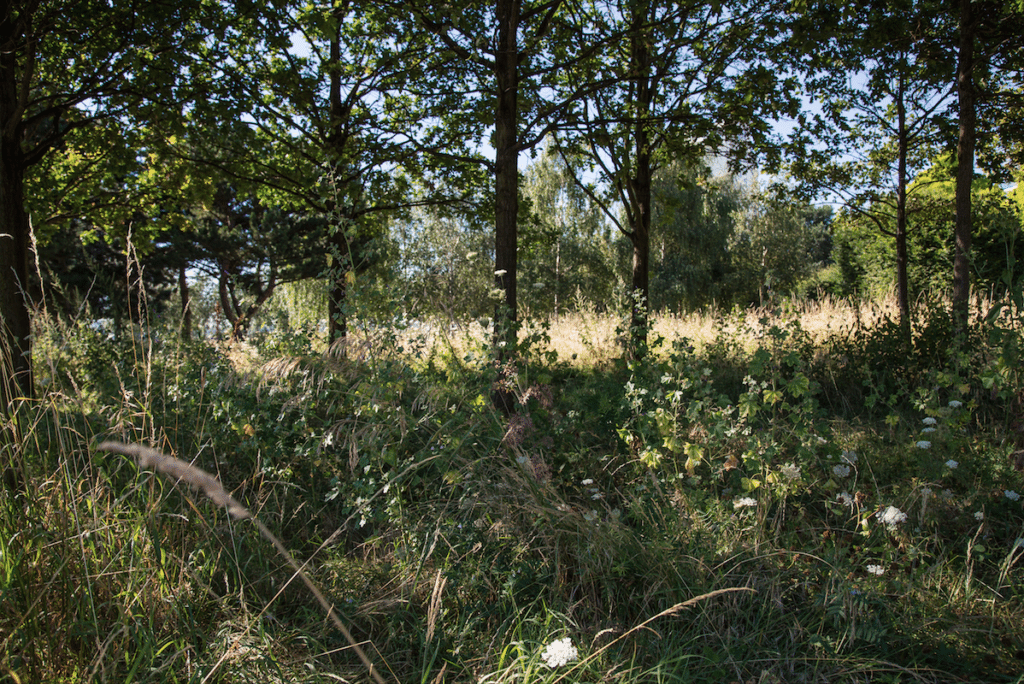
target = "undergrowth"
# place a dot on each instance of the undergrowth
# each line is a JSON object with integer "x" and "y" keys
{"x": 763, "y": 506}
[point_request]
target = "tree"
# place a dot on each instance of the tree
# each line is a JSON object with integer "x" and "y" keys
{"x": 298, "y": 116}
{"x": 682, "y": 79}
{"x": 490, "y": 69}
{"x": 775, "y": 246}
{"x": 878, "y": 126}
{"x": 565, "y": 242}
{"x": 692, "y": 221}
{"x": 250, "y": 250}
{"x": 69, "y": 68}
{"x": 989, "y": 55}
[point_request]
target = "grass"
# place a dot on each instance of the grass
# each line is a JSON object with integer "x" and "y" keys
{"x": 709, "y": 514}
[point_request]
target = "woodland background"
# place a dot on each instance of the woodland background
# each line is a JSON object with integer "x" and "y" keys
{"x": 687, "y": 332}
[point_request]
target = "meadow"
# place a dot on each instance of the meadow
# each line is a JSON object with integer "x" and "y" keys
{"x": 793, "y": 494}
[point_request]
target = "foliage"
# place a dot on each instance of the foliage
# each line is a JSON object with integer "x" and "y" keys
{"x": 996, "y": 245}
{"x": 462, "y": 542}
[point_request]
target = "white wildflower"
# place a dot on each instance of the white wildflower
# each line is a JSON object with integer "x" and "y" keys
{"x": 929, "y": 421}
{"x": 953, "y": 403}
{"x": 979, "y": 515}
{"x": 500, "y": 272}
{"x": 927, "y": 430}
{"x": 951, "y": 464}
{"x": 876, "y": 569}
{"x": 924, "y": 444}
{"x": 586, "y": 482}
{"x": 849, "y": 457}
{"x": 745, "y": 502}
{"x": 846, "y": 499}
{"x": 790, "y": 471}
{"x": 841, "y": 470}
{"x": 559, "y": 652}
{"x": 1011, "y": 495}
{"x": 892, "y": 516}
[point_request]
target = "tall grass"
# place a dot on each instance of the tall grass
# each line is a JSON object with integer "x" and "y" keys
{"x": 709, "y": 514}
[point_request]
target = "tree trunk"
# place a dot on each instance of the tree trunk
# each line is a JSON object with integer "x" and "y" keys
{"x": 337, "y": 323}
{"x": 902, "y": 283}
{"x": 506, "y": 167}
{"x": 186, "y": 305}
{"x": 506, "y": 190}
{"x": 640, "y": 192}
{"x": 965, "y": 167}
{"x": 15, "y": 320}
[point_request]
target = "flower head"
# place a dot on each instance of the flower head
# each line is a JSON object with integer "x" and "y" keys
{"x": 951, "y": 464}
{"x": 979, "y": 515}
{"x": 845, "y": 499}
{"x": 841, "y": 470}
{"x": 892, "y": 516}
{"x": 559, "y": 652}
{"x": 924, "y": 444}
{"x": 745, "y": 502}
{"x": 927, "y": 430}
{"x": 929, "y": 421}
{"x": 849, "y": 457}
{"x": 1011, "y": 495}
{"x": 790, "y": 471}
{"x": 876, "y": 569}
{"x": 500, "y": 272}
{"x": 953, "y": 403}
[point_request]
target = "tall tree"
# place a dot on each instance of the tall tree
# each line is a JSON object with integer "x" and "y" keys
{"x": 297, "y": 115}
{"x": 490, "y": 71}
{"x": 70, "y": 67}
{"x": 681, "y": 79}
{"x": 877, "y": 126}
{"x": 989, "y": 57}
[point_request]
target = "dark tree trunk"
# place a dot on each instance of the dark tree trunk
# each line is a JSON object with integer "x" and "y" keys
{"x": 965, "y": 166}
{"x": 902, "y": 284}
{"x": 506, "y": 189}
{"x": 15, "y": 320}
{"x": 337, "y": 326}
{"x": 337, "y": 322}
{"x": 186, "y": 306}
{"x": 640, "y": 193}
{"x": 506, "y": 168}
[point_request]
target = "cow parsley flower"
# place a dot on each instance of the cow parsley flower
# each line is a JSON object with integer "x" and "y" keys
{"x": 745, "y": 502}
{"x": 845, "y": 499}
{"x": 586, "y": 482}
{"x": 876, "y": 569}
{"x": 955, "y": 404}
{"x": 559, "y": 652}
{"x": 1011, "y": 495}
{"x": 929, "y": 421}
{"x": 849, "y": 457}
{"x": 951, "y": 464}
{"x": 841, "y": 470}
{"x": 927, "y": 430}
{"x": 892, "y": 516}
{"x": 790, "y": 471}
{"x": 979, "y": 516}
{"x": 924, "y": 444}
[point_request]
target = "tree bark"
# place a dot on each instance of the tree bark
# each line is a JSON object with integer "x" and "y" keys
{"x": 186, "y": 305}
{"x": 640, "y": 192}
{"x": 902, "y": 259}
{"x": 965, "y": 167}
{"x": 506, "y": 167}
{"x": 337, "y": 323}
